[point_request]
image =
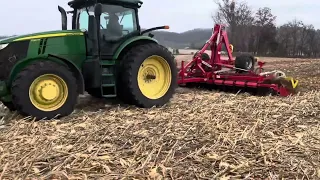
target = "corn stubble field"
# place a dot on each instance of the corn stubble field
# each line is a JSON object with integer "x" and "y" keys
{"x": 200, "y": 134}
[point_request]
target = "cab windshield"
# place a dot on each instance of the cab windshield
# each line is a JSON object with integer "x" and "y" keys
{"x": 115, "y": 21}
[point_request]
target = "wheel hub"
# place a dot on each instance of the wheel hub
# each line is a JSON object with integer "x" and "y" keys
{"x": 154, "y": 77}
{"x": 48, "y": 92}
{"x": 149, "y": 75}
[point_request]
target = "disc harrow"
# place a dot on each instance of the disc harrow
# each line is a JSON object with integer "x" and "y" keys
{"x": 239, "y": 72}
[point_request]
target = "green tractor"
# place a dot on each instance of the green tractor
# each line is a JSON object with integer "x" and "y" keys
{"x": 105, "y": 54}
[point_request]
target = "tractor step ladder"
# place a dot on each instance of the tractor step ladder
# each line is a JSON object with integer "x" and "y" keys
{"x": 108, "y": 84}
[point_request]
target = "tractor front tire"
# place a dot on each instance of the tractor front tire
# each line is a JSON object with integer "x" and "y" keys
{"x": 148, "y": 76}
{"x": 45, "y": 89}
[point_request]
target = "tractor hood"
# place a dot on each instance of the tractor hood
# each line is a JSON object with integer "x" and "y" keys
{"x": 39, "y": 35}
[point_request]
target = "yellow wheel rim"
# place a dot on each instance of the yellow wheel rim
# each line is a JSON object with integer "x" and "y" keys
{"x": 154, "y": 77}
{"x": 48, "y": 92}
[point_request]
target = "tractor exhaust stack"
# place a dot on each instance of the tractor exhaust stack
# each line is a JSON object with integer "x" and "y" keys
{"x": 64, "y": 19}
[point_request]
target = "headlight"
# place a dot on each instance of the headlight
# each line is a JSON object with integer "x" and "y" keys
{"x": 2, "y": 46}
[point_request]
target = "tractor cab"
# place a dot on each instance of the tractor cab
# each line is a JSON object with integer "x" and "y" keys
{"x": 107, "y": 24}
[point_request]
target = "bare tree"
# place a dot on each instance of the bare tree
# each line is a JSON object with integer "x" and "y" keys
{"x": 265, "y": 31}
{"x": 238, "y": 18}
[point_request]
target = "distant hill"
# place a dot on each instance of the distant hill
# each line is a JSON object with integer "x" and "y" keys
{"x": 179, "y": 40}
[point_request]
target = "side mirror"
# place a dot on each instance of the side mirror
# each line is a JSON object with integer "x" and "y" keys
{"x": 97, "y": 13}
{"x": 63, "y": 18}
{"x": 98, "y": 10}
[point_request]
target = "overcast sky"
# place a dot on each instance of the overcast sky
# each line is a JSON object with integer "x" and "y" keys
{"x": 20, "y": 17}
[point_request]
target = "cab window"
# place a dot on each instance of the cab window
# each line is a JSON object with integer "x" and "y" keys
{"x": 114, "y": 20}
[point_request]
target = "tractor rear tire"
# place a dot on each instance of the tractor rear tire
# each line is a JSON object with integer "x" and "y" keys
{"x": 143, "y": 70}
{"x": 245, "y": 62}
{"x": 9, "y": 105}
{"x": 41, "y": 82}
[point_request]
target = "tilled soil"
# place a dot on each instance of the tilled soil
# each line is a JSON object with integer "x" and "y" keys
{"x": 200, "y": 134}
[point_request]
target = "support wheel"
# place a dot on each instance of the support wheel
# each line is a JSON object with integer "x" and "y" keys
{"x": 245, "y": 62}
{"x": 204, "y": 56}
{"x": 149, "y": 76}
{"x": 45, "y": 89}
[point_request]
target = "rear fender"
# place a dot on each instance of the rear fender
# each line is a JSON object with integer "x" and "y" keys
{"x": 22, "y": 64}
{"x": 130, "y": 43}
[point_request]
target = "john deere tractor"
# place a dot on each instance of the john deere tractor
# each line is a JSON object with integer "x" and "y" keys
{"x": 105, "y": 54}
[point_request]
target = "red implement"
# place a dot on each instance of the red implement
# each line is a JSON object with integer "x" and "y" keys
{"x": 238, "y": 72}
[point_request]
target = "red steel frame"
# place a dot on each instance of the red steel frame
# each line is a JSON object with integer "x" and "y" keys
{"x": 193, "y": 72}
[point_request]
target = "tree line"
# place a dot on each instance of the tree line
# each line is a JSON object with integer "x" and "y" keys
{"x": 257, "y": 33}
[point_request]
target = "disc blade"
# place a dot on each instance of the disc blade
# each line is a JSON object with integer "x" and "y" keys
{"x": 287, "y": 82}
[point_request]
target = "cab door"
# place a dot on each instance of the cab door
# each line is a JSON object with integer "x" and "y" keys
{"x": 115, "y": 29}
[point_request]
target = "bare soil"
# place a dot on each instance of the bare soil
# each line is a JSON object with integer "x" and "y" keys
{"x": 200, "y": 134}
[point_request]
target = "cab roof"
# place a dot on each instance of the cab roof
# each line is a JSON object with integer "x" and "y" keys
{"x": 128, "y": 3}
